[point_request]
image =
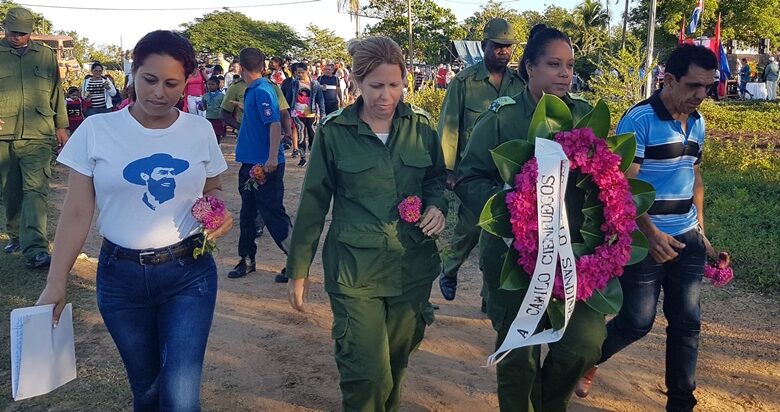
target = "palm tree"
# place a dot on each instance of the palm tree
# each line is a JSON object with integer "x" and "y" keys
{"x": 625, "y": 26}
{"x": 590, "y": 21}
{"x": 353, "y": 8}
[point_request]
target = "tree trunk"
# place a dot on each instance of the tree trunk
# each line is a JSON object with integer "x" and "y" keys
{"x": 625, "y": 26}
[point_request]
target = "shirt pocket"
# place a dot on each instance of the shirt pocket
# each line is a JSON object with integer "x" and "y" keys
{"x": 472, "y": 111}
{"x": 361, "y": 176}
{"x": 42, "y": 80}
{"x": 45, "y": 123}
{"x": 416, "y": 164}
{"x": 362, "y": 259}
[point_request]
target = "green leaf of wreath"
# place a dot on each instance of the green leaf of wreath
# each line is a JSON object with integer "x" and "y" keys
{"x": 513, "y": 277}
{"x": 639, "y": 247}
{"x": 624, "y": 145}
{"x": 643, "y": 194}
{"x": 510, "y": 157}
{"x": 609, "y": 300}
{"x": 494, "y": 218}
{"x": 551, "y": 116}
{"x": 556, "y": 311}
{"x": 597, "y": 120}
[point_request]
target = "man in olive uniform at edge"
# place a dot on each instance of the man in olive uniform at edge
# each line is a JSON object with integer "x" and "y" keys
{"x": 32, "y": 113}
{"x": 468, "y": 96}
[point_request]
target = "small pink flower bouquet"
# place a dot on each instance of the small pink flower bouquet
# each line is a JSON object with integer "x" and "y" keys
{"x": 410, "y": 209}
{"x": 209, "y": 212}
{"x": 256, "y": 178}
{"x": 721, "y": 272}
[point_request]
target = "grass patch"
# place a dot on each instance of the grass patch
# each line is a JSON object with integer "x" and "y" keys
{"x": 101, "y": 384}
{"x": 742, "y": 212}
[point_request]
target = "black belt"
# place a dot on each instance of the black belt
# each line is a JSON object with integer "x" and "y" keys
{"x": 154, "y": 256}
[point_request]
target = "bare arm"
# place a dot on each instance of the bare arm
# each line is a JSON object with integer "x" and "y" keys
{"x": 698, "y": 195}
{"x": 72, "y": 230}
{"x": 275, "y": 139}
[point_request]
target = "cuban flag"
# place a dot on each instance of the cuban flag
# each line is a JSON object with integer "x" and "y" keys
{"x": 696, "y": 16}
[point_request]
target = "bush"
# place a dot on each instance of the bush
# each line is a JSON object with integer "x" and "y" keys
{"x": 741, "y": 116}
{"x": 428, "y": 99}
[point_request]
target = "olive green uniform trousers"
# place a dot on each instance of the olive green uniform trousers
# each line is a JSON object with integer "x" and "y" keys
{"x": 374, "y": 338}
{"x": 25, "y": 170}
{"x": 525, "y": 382}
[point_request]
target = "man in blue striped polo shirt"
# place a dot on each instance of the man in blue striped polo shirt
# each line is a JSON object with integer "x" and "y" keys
{"x": 670, "y": 137}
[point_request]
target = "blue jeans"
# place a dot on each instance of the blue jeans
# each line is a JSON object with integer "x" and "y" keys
{"x": 680, "y": 280}
{"x": 159, "y": 317}
{"x": 268, "y": 200}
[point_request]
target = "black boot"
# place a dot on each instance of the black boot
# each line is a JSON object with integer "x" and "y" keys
{"x": 242, "y": 269}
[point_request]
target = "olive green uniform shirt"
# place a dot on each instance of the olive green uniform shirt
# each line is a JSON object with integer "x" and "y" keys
{"x": 469, "y": 94}
{"x": 236, "y": 93}
{"x": 368, "y": 251}
{"x": 32, "y": 102}
{"x": 478, "y": 178}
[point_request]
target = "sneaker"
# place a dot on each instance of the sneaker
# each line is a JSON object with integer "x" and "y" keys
{"x": 302, "y": 162}
{"x": 12, "y": 246}
{"x": 448, "y": 286}
{"x": 242, "y": 269}
{"x": 259, "y": 232}
{"x": 42, "y": 260}
{"x": 294, "y": 153}
{"x": 586, "y": 382}
{"x": 282, "y": 277}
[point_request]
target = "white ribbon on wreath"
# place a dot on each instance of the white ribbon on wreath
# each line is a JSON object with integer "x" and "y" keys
{"x": 554, "y": 246}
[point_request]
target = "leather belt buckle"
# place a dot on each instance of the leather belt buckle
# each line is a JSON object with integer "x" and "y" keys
{"x": 142, "y": 255}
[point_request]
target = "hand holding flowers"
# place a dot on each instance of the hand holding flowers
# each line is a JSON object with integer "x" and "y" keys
{"x": 215, "y": 221}
{"x": 256, "y": 178}
{"x": 431, "y": 223}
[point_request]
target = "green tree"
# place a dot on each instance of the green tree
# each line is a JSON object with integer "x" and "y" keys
{"x": 619, "y": 83}
{"x": 322, "y": 43}
{"x": 588, "y": 27}
{"x": 230, "y": 31}
{"x": 42, "y": 25}
{"x": 81, "y": 45}
{"x": 433, "y": 27}
{"x": 109, "y": 55}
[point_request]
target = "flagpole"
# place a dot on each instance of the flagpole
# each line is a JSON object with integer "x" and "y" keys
{"x": 650, "y": 40}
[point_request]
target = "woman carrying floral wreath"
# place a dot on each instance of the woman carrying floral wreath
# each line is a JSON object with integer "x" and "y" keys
{"x": 380, "y": 162}
{"x": 523, "y": 383}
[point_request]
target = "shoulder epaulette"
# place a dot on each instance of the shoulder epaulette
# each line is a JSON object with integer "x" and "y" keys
{"x": 501, "y": 102}
{"x": 420, "y": 111}
{"x": 332, "y": 115}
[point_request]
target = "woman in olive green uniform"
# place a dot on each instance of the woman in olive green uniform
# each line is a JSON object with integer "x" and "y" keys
{"x": 378, "y": 269}
{"x": 523, "y": 383}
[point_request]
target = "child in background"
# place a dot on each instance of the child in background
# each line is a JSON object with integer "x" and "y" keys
{"x": 222, "y": 87}
{"x": 213, "y": 106}
{"x": 76, "y": 107}
{"x": 129, "y": 97}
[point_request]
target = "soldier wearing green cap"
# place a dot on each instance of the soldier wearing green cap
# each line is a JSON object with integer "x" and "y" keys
{"x": 526, "y": 382}
{"x": 468, "y": 95}
{"x": 32, "y": 113}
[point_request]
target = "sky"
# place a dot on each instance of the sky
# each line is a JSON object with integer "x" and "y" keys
{"x": 126, "y": 27}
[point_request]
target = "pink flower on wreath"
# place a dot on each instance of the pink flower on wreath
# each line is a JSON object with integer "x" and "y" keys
{"x": 590, "y": 155}
{"x": 410, "y": 209}
{"x": 209, "y": 212}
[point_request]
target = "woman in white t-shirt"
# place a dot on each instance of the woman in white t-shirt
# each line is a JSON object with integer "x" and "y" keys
{"x": 145, "y": 166}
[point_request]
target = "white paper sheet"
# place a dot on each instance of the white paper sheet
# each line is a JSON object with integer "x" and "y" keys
{"x": 43, "y": 358}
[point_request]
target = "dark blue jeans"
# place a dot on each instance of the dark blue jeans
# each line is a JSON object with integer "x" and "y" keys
{"x": 159, "y": 317}
{"x": 680, "y": 280}
{"x": 268, "y": 200}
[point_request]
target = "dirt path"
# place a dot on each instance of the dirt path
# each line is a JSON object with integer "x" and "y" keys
{"x": 263, "y": 356}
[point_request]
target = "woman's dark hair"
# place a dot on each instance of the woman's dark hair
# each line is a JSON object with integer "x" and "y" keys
{"x": 165, "y": 42}
{"x": 73, "y": 89}
{"x": 684, "y": 56}
{"x": 96, "y": 64}
{"x": 538, "y": 39}
{"x": 218, "y": 69}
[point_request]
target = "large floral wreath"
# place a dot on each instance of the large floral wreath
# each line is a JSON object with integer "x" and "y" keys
{"x": 602, "y": 204}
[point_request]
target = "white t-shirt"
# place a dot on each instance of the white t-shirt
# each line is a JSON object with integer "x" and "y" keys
{"x": 146, "y": 180}
{"x": 383, "y": 137}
